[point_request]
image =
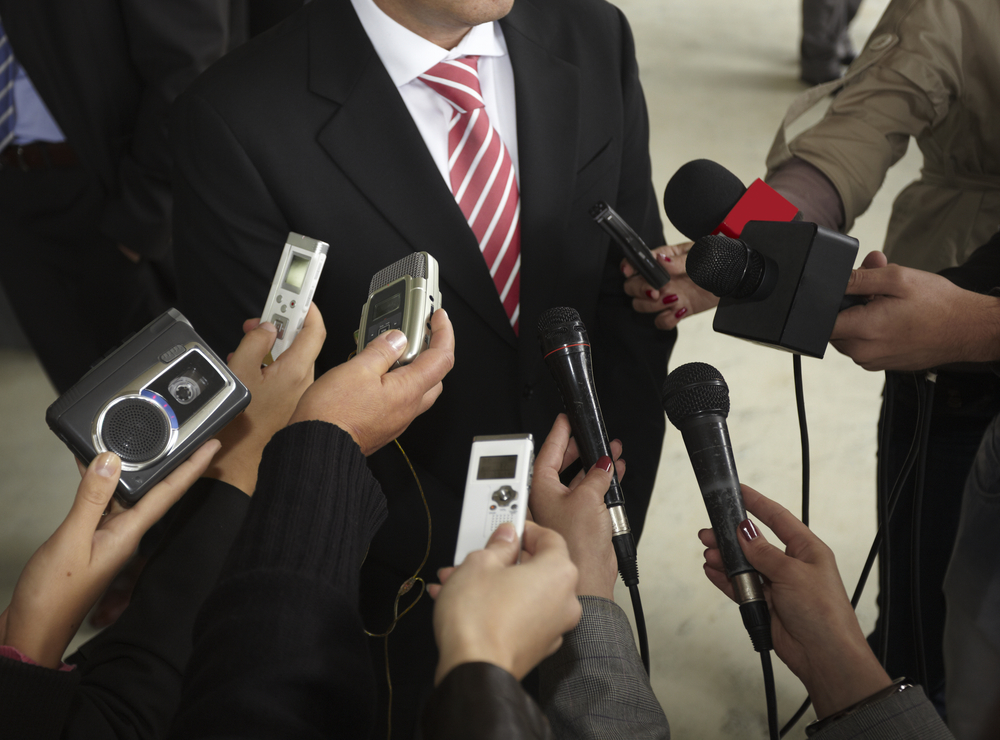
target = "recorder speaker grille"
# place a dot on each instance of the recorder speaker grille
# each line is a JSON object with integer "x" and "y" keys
{"x": 415, "y": 265}
{"x": 135, "y": 430}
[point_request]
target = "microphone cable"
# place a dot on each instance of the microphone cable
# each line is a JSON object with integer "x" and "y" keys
{"x": 800, "y": 406}
{"x": 929, "y": 384}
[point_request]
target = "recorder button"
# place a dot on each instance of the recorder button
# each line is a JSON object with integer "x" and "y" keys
{"x": 284, "y": 308}
{"x": 176, "y": 351}
{"x": 504, "y": 495}
{"x": 279, "y": 298}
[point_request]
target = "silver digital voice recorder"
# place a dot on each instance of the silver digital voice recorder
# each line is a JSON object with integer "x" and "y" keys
{"x": 496, "y": 489}
{"x": 402, "y": 296}
{"x": 292, "y": 290}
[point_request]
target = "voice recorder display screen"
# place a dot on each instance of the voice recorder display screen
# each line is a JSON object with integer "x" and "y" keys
{"x": 296, "y": 272}
{"x": 497, "y": 466}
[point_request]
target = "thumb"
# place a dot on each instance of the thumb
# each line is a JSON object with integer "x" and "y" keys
{"x": 503, "y": 543}
{"x": 94, "y": 492}
{"x": 766, "y": 559}
{"x": 380, "y": 354}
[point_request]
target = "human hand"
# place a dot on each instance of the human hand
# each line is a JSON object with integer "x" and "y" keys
{"x": 491, "y": 610}
{"x": 675, "y": 300}
{"x": 577, "y": 511}
{"x": 275, "y": 391}
{"x": 813, "y": 625}
{"x": 372, "y": 404}
{"x": 914, "y": 320}
{"x": 68, "y": 573}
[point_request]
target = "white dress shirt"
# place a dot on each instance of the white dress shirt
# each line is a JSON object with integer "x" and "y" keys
{"x": 406, "y": 55}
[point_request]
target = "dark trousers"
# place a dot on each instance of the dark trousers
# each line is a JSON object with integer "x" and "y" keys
{"x": 74, "y": 293}
{"x": 964, "y": 405}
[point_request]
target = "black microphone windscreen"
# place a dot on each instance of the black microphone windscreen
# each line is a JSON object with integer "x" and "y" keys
{"x": 556, "y": 317}
{"x": 725, "y": 266}
{"x": 693, "y": 389}
{"x": 699, "y": 197}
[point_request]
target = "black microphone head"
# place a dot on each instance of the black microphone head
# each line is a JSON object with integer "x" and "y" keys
{"x": 693, "y": 389}
{"x": 699, "y": 197}
{"x": 560, "y": 326}
{"x": 725, "y": 266}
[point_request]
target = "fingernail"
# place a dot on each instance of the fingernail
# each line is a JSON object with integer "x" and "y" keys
{"x": 651, "y": 294}
{"x": 663, "y": 257}
{"x": 605, "y": 464}
{"x": 268, "y": 326}
{"x": 107, "y": 465}
{"x": 749, "y": 531}
{"x": 396, "y": 340}
{"x": 669, "y": 299}
{"x": 681, "y": 313}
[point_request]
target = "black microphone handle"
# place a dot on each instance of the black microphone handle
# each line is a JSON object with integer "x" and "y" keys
{"x": 571, "y": 367}
{"x": 706, "y": 437}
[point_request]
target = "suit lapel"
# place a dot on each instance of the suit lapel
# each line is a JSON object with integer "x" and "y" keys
{"x": 394, "y": 171}
{"x": 547, "y": 90}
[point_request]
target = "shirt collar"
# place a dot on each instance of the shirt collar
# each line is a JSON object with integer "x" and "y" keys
{"x": 406, "y": 55}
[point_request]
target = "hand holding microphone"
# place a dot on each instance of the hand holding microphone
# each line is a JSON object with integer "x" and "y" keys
{"x": 815, "y": 630}
{"x": 696, "y": 401}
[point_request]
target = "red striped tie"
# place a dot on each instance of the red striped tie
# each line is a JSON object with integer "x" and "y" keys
{"x": 482, "y": 177}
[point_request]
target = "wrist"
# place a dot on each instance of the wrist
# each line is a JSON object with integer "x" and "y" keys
{"x": 843, "y": 678}
{"x": 450, "y": 659}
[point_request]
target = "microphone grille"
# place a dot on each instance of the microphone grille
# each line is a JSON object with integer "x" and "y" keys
{"x": 717, "y": 263}
{"x": 693, "y": 389}
{"x": 699, "y": 197}
{"x": 414, "y": 264}
{"x": 558, "y": 316}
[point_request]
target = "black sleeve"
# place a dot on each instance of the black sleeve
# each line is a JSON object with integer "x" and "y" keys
{"x": 280, "y": 650}
{"x": 981, "y": 272}
{"x": 34, "y": 700}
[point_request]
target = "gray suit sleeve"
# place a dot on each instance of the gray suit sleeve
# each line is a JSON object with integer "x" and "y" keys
{"x": 594, "y": 686}
{"x": 907, "y": 715}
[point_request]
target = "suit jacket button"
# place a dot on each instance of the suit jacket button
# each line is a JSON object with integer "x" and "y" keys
{"x": 528, "y": 391}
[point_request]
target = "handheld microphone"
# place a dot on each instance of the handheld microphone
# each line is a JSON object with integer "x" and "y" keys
{"x": 696, "y": 400}
{"x": 704, "y": 198}
{"x": 566, "y": 349}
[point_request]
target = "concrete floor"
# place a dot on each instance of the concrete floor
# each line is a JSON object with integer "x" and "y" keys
{"x": 718, "y": 76}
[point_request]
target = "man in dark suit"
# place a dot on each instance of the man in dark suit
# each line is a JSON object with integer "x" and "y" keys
{"x": 305, "y": 129}
{"x": 85, "y": 180}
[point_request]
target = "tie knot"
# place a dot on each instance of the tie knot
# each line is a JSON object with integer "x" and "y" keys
{"x": 457, "y": 81}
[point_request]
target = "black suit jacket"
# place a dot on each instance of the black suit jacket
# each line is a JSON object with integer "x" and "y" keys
{"x": 303, "y": 130}
{"x": 108, "y": 71}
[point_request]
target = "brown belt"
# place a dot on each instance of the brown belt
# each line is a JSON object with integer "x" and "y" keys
{"x": 38, "y": 156}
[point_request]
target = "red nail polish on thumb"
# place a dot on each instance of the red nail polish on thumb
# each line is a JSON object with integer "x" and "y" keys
{"x": 748, "y": 530}
{"x": 605, "y": 464}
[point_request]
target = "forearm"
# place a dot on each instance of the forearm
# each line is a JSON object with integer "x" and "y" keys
{"x": 280, "y": 646}
{"x": 595, "y": 685}
{"x": 809, "y": 190}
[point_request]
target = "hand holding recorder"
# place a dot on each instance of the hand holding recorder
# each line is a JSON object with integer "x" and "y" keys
{"x": 68, "y": 573}
{"x": 492, "y": 610}
{"x": 276, "y": 389}
{"x": 372, "y": 404}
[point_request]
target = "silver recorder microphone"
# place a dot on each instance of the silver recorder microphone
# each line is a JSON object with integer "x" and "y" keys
{"x": 402, "y": 296}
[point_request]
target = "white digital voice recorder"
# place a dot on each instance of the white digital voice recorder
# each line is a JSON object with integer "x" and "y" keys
{"x": 291, "y": 293}
{"x": 496, "y": 489}
{"x": 402, "y": 296}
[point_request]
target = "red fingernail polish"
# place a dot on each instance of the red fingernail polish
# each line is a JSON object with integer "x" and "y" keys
{"x": 669, "y": 299}
{"x": 681, "y": 313}
{"x": 663, "y": 257}
{"x": 605, "y": 464}
{"x": 749, "y": 531}
{"x": 651, "y": 294}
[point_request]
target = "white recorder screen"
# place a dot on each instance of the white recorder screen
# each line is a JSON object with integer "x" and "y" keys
{"x": 496, "y": 489}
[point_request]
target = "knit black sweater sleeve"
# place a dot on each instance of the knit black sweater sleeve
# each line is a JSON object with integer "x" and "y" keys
{"x": 280, "y": 650}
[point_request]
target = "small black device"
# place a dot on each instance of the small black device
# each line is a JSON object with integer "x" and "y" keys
{"x": 152, "y": 401}
{"x": 638, "y": 254}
